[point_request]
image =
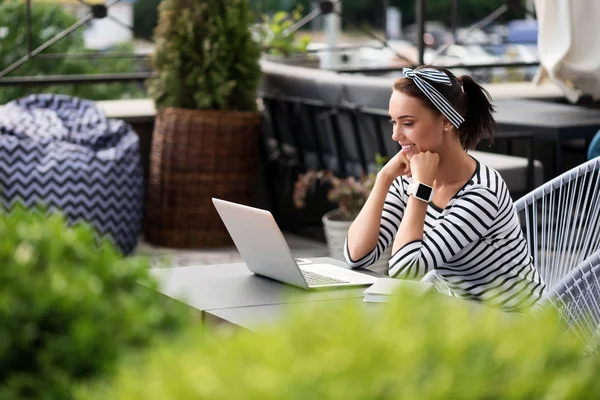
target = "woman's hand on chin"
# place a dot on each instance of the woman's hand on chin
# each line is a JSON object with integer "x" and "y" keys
{"x": 424, "y": 167}
{"x": 399, "y": 165}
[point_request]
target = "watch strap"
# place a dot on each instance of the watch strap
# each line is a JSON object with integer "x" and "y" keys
{"x": 420, "y": 191}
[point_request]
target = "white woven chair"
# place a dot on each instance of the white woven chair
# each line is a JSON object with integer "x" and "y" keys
{"x": 561, "y": 221}
{"x": 577, "y": 299}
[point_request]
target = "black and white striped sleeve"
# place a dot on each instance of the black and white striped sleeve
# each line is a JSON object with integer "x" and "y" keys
{"x": 469, "y": 219}
{"x": 393, "y": 210}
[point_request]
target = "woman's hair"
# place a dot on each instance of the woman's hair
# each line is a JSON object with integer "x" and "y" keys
{"x": 466, "y": 96}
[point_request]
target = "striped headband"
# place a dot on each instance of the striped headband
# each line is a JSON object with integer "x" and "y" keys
{"x": 438, "y": 100}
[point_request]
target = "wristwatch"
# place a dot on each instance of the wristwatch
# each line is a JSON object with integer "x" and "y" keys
{"x": 420, "y": 191}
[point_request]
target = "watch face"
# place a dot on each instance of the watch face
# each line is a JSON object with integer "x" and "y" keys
{"x": 423, "y": 192}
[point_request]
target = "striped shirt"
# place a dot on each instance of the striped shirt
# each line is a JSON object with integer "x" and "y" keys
{"x": 474, "y": 247}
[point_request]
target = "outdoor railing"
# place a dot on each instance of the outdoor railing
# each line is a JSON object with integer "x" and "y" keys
{"x": 99, "y": 11}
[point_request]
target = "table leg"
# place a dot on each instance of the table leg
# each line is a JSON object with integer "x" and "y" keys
{"x": 530, "y": 164}
{"x": 558, "y": 158}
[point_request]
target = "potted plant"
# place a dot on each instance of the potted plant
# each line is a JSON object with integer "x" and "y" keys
{"x": 349, "y": 194}
{"x": 280, "y": 44}
{"x": 206, "y": 133}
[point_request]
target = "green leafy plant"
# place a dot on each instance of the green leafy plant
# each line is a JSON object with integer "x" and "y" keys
{"x": 48, "y": 20}
{"x": 205, "y": 56}
{"x": 274, "y": 36}
{"x": 416, "y": 347}
{"x": 349, "y": 194}
{"x": 70, "y": 307}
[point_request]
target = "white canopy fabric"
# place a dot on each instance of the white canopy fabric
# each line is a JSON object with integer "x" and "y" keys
{"x": 569, "y": 45}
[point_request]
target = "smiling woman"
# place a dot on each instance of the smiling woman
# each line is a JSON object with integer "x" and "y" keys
{"x": 447, "y": 217}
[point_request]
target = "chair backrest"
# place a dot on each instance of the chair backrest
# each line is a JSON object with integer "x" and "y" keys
{"x": 561, "y": 221}
{"x": 594, "y": 148}
{"x": 577, "y": 299}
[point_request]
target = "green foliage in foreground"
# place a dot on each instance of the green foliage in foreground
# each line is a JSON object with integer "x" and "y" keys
{"x": 68, "y": 308}
{"x": 416, "y": 348}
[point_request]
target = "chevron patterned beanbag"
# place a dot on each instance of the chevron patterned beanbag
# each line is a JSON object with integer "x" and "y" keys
{"x": 64, "y": 153}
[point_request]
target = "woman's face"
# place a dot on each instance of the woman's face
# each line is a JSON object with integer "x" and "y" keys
{"x": 416, "y": 128}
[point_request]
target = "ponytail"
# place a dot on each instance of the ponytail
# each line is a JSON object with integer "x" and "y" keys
{"x": 479, "y": 121}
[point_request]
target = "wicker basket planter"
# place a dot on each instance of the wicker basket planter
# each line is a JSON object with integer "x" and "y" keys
{"x": 336, "y": 230}
{"x": 197, "y": 155}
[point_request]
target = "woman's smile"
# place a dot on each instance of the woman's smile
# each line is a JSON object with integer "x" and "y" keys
{"x": 409, "y": 149}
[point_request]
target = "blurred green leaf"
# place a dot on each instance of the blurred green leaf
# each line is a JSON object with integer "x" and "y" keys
{"x": 273, "y": 35}
{"x": 417, "y": 347}
{"x": 70, "y": 307}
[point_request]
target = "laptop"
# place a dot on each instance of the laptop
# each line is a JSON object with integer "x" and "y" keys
{"x": 265, "y": 251}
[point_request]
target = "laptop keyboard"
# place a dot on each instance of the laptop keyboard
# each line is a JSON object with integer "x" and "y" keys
{"x": 314, "y": 279}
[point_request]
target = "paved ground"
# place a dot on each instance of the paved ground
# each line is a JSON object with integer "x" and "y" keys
{"x": 300, "y": 246}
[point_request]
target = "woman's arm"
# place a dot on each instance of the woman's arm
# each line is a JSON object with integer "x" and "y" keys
{"x": 470, "y": 218}
{"x": 424, "y": 168}
{"x": 364, "y": 231}
{"x": 412, "y": 225}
